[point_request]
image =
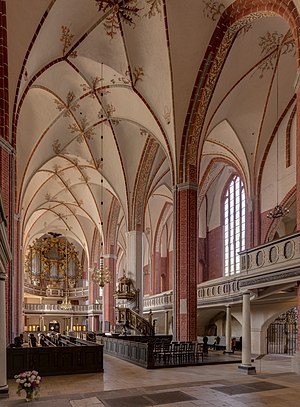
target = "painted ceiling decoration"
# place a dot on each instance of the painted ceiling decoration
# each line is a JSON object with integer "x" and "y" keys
{"x": 118, "y": 99}
{"x": 125, "y": 11}
{"x": 272, "y": 46}
{"x": 213, "y": 9}
{"x": 66, "y": 40}
{"x": 216, "y": 63}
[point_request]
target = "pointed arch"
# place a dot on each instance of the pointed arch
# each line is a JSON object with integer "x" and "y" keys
{"x": 234, "y": 18}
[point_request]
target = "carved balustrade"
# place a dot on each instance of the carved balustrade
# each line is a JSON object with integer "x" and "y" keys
{"x": 56, "y": 308}
{"x": 271, "y": 263}
{"x": 159, "y": 301}
{"x": 78, "y": 292}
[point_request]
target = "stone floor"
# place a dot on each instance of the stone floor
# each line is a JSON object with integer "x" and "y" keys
{"x": 125, "y": 385}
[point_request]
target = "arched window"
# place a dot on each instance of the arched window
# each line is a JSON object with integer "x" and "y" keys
{"x": 234, "y": 225}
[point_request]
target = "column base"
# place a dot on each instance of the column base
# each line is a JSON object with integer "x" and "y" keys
{"x": 247, "y": 369}
{"x": 228, "y": 352}
{"x": 4, "y": 392}
{"x": 296, "y": 363}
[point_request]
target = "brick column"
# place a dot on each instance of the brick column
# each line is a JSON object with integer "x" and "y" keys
{"x": 109, "y": 290}
{"x": 298, "y": 152}
{"x": 7, "y": 178}
{"x": 296, "y": 357}
{"x": 4, "y": 106}
{"x": 185, "y": 262}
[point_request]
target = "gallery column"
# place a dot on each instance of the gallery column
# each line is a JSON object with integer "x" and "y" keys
{"x": 166, "y": 322}
{"x": 246, "y": 366}
{"x": 228, "y": 329}
{"x": 185, "y": 262}
{"x": 42, "y": 324}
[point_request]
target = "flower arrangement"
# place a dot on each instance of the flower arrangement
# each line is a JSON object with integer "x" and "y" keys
{"x": 30, "y": 382}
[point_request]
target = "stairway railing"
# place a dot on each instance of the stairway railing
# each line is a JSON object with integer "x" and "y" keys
{"x": 131, "y": 319}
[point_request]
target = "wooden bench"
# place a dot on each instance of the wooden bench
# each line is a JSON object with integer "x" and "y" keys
{"x": 56, "y": 360}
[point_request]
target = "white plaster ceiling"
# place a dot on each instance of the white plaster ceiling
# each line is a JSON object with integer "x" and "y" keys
{"x": 75, "y": 76}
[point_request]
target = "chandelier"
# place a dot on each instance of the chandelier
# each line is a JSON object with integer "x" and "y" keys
{"x": 278, "y": 211}
{"x": 101, "y": 275}
{"x": 66, "y": 304}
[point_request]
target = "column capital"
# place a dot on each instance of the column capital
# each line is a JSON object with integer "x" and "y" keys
{"x": 110, "y": 256}
{"x": 134, "y": 232}
{"x": 7, "y": 147}
{"x": 185, "y": 185}
{"x": 3, "y": 275}
{"x": 6, "y": 255}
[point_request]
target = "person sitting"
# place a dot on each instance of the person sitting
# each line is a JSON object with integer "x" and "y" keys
{"x": 17, "y": 342}
{"x": 205, "y": 345}
{"x": 217, "y": 342}
{"x": 32, "y": 341}
{"x": 43, "y": 340}
{"x": 233, "y": 344}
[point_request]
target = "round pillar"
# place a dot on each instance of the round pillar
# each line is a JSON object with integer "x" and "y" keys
{"x": 246, "y": 366}
{"x": 228, "y": 329}
{"x": 166, "y": 322}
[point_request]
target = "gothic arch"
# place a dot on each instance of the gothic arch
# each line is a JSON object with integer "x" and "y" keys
{"x": 234, "y": 18}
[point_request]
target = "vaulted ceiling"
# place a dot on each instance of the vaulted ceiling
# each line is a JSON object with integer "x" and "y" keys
{"x": 100, "y": 91}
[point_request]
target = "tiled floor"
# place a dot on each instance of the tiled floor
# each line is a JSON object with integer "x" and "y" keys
{"x": 125, "y": 385}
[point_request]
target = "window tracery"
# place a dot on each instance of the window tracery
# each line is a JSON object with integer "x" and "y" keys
{"x": 234, "y": 225}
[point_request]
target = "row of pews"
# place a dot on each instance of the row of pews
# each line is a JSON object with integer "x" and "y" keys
{"x": 63, "y": 355}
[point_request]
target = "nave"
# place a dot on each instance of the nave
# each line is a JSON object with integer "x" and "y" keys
{"x": 126, "y": 385}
